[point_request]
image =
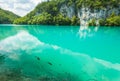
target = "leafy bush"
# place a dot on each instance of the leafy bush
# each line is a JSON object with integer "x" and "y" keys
{"x": 61, "y": 20}
{"x": 75, "y": 21}
{"x": 113, "y": 21}
{"x": 102, "y": 22}
{"x": 43, "y": 19}
{"x": 92, "y": 22}
{"x": 22, "y": 20}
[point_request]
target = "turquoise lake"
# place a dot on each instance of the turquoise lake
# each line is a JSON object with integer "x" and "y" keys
{"x": 59, "y": 53}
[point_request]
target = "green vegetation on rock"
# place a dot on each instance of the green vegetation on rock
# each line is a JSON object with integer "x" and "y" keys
{"x": 113, "y": 21}
{"x": 48, "y": 13}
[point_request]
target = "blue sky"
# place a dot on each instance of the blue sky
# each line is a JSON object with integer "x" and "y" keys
{"x": 19, "y": 7}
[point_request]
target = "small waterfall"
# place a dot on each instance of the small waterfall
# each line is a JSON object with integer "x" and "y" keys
{"x": 84, "y": 18}
{"x": 86, "y": 15}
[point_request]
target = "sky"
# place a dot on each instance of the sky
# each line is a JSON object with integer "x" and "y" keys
{"x": 19, "y": 7}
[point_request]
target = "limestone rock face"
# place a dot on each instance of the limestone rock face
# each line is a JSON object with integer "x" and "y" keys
{"x": 68, "y": 10}
{"x": 87, "y": 14}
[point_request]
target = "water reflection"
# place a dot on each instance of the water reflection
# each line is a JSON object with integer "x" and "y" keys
{"x": 87, "y": 31}
{"x": 30, "y": 57}
{"x": 89, "y": 41}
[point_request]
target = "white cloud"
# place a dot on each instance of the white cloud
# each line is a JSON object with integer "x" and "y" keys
{"x": 19, "y": 7}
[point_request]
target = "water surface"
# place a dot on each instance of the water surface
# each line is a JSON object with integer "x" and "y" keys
{"x": 62, "y": 52}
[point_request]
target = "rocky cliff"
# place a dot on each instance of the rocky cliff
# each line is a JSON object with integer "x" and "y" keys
{"x": 73, "y": 12}
{"x": 87, "y": 14}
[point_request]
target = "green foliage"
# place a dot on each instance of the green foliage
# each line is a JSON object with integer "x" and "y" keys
{"x": 113, "y": 14}
{"x": 92, "y": 22}
{"x": 22, "y": 20}
{"x": 75, "y": 21}
{"x": 48, "y": 13}
{"x": 51, "y": 7}
{"x": 61, "y": 20}
{"x": 113, "y": 21}
{"x": 44, "y": 18}
{"x": 97, "y": 4}
{"x": 7, "y": 17}
{"x": 70, "y": 2}
{"x": 102, "y": 22}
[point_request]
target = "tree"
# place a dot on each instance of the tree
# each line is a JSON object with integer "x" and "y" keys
{"x": 75, "y": 21}
{"x": 61, "y": 20}
{"x": 7, "y": 17}
{"x": 113, "y": 21}
{"x": 44, "y": 18}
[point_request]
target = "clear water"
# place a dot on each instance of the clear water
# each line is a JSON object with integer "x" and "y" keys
{"x": 59, "y": 53}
